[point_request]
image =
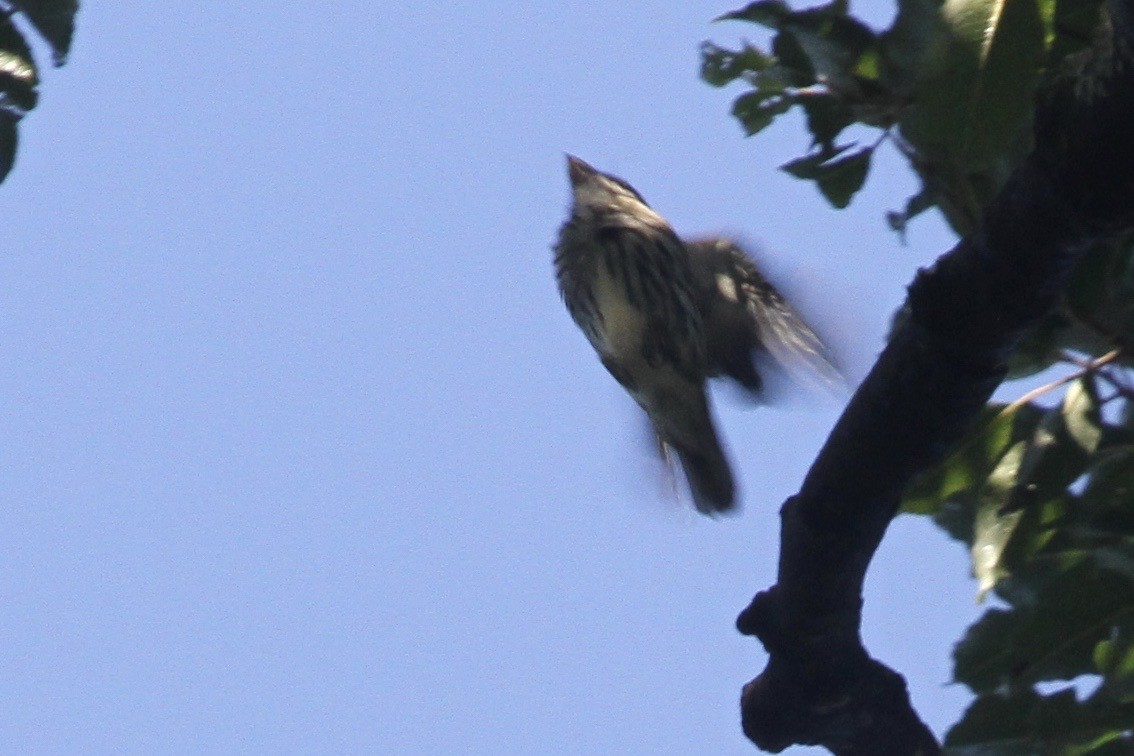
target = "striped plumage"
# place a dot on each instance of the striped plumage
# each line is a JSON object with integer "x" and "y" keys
{"x": 745, "y": 316}
{"x": 666, "y": 315}
{"x": 627, "y": 281}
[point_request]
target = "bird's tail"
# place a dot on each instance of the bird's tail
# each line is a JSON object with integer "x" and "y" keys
{"x": 710, "y": 479}
{"x": 683, "y": 423}
{"x": 707, "y": 470}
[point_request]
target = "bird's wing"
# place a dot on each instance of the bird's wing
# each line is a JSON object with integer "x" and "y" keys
{"x": 750, "y": 314}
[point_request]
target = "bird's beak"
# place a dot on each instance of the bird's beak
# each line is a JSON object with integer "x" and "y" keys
{"x": 578, "y": 170}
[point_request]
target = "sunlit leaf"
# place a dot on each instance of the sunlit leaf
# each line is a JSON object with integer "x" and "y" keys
{"x": 994, "y": 526}
{"x": 979, "y": 77}
{"x": 1052, "y": 462}
{"x": 1081, "y": 414}
{"x": 960, "y": 476}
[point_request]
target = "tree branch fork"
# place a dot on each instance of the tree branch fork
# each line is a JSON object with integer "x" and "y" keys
{"x": 967, "y": 312}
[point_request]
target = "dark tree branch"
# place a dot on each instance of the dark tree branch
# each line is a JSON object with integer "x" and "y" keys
{"x": 968, "y": 312}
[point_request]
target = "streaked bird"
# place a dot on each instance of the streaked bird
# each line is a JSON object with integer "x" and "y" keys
{"x": 665, "y": 316}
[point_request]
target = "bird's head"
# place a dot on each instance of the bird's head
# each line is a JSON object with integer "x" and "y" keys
{"x": 597, "y": 191}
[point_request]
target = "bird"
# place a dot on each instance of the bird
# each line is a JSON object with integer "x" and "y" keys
{"x": 665, "y": 316}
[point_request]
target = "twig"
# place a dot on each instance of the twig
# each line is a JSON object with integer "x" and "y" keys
{"x": 1085, "y": 369}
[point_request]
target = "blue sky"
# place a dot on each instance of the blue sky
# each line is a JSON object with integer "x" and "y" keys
{"x": 301, "y": 451}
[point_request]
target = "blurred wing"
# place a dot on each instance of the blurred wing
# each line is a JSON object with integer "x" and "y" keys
{"x": 745, "y": 313}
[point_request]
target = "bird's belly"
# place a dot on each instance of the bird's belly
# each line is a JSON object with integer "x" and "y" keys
{"x": 623, "y": 325}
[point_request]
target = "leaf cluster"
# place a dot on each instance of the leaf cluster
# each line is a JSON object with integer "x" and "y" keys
{"x": 951, "y": 82}
{"x": 1042, "y": 492}
{"x": 54, "y": 22}
{"x": 1042, "y": 497}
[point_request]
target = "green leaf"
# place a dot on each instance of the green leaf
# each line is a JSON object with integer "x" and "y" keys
{"x": 1052, "y": 462}
{"x": 720, "y": 66}
{"x": 960, "y": 476}
{"x": 1061, "y": 608}
{"x": 55, "y": 20}
{"x": 1114, "y": 660}
{"x": 1111, "y": 488}
{"x": 1039, "y": 348}
{"x": 994, "y": 526}
{"x": 903, "y": 46}
{"x": 838, "y": 177}
{"x": 976, "y": 92}
{"x": 834, "y": 45}
{"x": 827, "y": 116}
{"x": 1011, "y": 723}
{"x": 1081, "y": 414}
{"x": 1115, "y": 556}
{"x": 1100, "y": 295}
{"x": 1070, "y": 25}
{"x": 756, "y": 110}
{"x": 1025, "y": 723}
{"x": 845, "y": 176}
{"x": 823, "y": 42}
{"x": 1085, "y": 339}
{"x": 868, "y": 65}
{"x": 1105, "y": 656}
{"x": 810, "y": 167}
{"x": 790, "y": 54}
{"x": 768, "y": 13}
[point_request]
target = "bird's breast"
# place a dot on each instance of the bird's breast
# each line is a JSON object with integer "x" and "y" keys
{"x": 623, "y": 325}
